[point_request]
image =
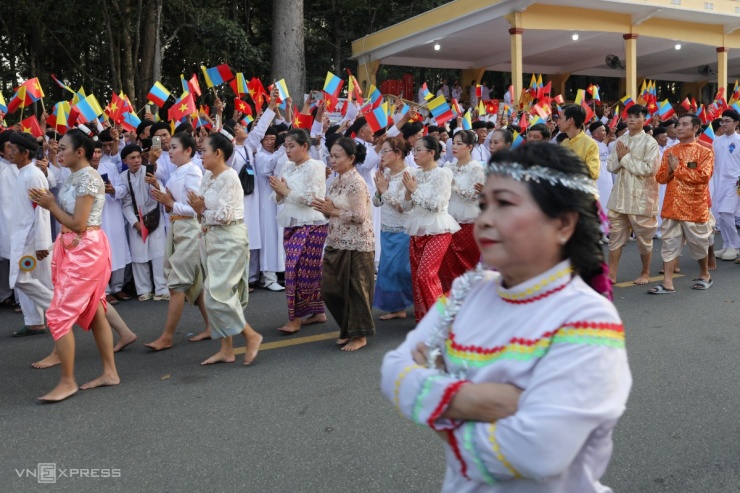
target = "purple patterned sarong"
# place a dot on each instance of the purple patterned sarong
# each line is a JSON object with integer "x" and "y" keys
{"x": 304, "y": 248}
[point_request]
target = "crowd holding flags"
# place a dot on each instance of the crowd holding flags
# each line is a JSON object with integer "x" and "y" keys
{"x": 535, "y": 105}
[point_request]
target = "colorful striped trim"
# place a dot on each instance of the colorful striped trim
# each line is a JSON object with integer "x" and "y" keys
{"x": 591, "y": 333}
{"x": 535, "y": 293}
{"x": 397, "y": 387}
{"x": 452, "y": 441}
{"x": 497, "y": 451}
{"x": 422, "y": 394}
{"x": 518, "y": 349}
{"x": 469, "y": 445}
{"x": 449, "y": 393}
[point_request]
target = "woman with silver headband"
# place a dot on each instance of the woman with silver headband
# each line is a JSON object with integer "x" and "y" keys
{"x": 522, "y": 372}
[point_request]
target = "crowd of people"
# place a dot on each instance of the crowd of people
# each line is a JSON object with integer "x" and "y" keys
{"x": 354, "y": 220}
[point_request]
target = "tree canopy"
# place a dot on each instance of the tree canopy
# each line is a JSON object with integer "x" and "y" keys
{"x": 127, "y": 45}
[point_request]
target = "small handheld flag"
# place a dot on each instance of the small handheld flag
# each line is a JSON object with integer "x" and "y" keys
{"x": 158, "y": 94}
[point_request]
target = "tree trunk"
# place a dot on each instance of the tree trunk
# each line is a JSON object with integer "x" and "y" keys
{"x": 111, "y": 49}
{"x": 288, "y": 48}
{"x": 148, "y": 50}
{"x": 337, "y": 38}
{"x": 158, "y": 49}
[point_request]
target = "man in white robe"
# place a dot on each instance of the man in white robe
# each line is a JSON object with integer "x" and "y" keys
{"x": 152, "y": 248}
{"x": 8, "y": 179}
{"x": 114, "y": 224}
{"x": 30, "y": 238}
{"x": 725, "y": 199}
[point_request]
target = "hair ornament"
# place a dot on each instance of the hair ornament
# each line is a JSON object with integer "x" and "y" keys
{"x": 540, "y": 174}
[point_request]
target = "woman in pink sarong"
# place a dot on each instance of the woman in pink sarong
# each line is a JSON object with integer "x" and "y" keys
{"x": 81, "y": 265}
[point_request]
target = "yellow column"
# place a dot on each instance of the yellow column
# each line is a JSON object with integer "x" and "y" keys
{"x": 366, "y": 73}
{"x": 722, "y": 70}
{"x": 630, "y": 55}
{"x": 558, "y": 82}
{"x": 468, "y": 76}
{"x": 517, "y": 76}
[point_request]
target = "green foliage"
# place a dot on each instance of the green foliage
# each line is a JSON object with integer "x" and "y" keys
{"x": 85, "y": 42}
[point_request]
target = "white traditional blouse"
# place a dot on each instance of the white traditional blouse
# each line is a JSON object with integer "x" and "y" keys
{"x": 464, "y": 199}
{"x": 307, "y": 182}
{"x": 224, "y": 198}
{"x": 552, "y": 336}
{"x": 353, "y": 229}
{"x": 392, "y": 215}
{"x": 429, "y": 204}
{"x": 83, "y": 182}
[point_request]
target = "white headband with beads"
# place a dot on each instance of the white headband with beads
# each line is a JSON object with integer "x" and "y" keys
{"x": 540, "y": 174}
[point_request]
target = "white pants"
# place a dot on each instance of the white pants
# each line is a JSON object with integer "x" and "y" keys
{"x": 116, "y": 281}
{"x": 35, "y": 296}
{"x": 5, "y": 291}
{"x": 143, "y": 281}
{"x": 269, "y": 278}
{"x": 728, "y": 230}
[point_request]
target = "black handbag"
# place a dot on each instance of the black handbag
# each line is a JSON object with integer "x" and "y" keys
{"x": 150, "y": 219}
{"x": 246, "y": 177}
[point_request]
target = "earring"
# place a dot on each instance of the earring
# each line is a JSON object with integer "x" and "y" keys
{"x": 563, "y": 241}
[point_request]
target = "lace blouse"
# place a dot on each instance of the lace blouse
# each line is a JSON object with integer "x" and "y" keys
{"x": 392, "y": 216}
{"x": 464, "y": 199}
{"x": 307, "y": 182}
{"x": 429, "y": 203}
{"x": 83, "y": 182}
{"x": 353, "y": 229}
{"x": 224, "y": 198}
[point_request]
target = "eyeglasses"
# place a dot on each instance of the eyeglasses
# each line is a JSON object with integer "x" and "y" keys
{"x": 726, "y": 122}
{"x": 385, "y": 151}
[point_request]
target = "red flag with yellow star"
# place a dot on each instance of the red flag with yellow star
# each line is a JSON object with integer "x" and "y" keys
{"x": 242, "y": 106}
{"x": 116, "y": 108}
{"x": 32, "y": 126}
{"x": 301, "y": 121}
{"x": 183, "y": 107}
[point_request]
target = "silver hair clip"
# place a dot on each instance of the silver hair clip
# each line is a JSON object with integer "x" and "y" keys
{"x": 539, "y": 174}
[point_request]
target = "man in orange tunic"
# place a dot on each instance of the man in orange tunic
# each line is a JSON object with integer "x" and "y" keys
{"x": 686, "y": 169}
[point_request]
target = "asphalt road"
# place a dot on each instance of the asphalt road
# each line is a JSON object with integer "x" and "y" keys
{"x": 310, "y": 418}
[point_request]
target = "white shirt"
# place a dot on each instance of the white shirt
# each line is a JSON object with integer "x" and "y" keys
{"x": 185, "y": 178}
{"x": 429, "y": 204}
{"x": 307, "y": 182}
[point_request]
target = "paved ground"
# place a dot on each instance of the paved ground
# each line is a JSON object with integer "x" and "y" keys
{"x": 310, "y": 418}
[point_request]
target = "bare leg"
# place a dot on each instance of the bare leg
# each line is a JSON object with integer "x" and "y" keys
{"x": 225, "y": 355}
{"x": 668, "y": 267}
{"x": 355, "y": 343}
{"x": 614, "y": 256}
{"x": 291, "y": 327}
{"x": 704, "y": 268}
{"x": 125, "y": 335}
{"x": 645, "y": 274}
{"x": 314, "y": 319}
{"x": 67, "y": 386}
{"x": 104, "y": 340}
{"x": 206, "y": 334}
{"x": 392, "y": 315}
{"x": 253, "y": 341}
{"x": 712, "y": 262}
{"x": 174, "y": 312}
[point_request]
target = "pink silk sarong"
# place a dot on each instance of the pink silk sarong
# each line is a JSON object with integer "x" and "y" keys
{"x": 79, "y": 274}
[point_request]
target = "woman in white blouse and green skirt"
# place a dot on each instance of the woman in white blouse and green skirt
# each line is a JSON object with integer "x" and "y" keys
{"x": 224, "y": 251}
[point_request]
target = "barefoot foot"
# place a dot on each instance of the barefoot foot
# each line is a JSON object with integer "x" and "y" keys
{"x": 48, "y": 362}
{"x": 206, "y": 334}
{"x": 314, "y": 319}
{"x": 60, "y": 392}
{"x": 160, "y": 344}
{"x": 219, "y": 357}
{"x": 253, "y": 346}
{"x": 123, "y": 343}
{"x": 291, "y": 327}
{"x": 104, "y": 380}
{"x": 643, "y": 279}
{"x": 355, "y": 343}
{"x": 342, "y": 342}
{"x": 712, "y": 263}
{"x": 391, "y": 316}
